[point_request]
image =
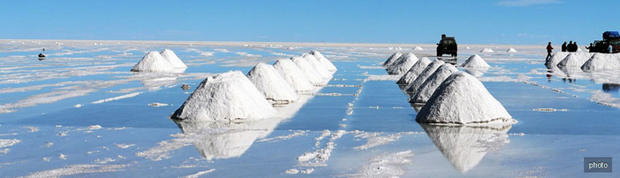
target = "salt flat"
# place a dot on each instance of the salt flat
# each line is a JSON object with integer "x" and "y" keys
{"x": 80, "y": 111}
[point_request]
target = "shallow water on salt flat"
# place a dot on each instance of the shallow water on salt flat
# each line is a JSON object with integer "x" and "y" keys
{"x": 377, "y": 120}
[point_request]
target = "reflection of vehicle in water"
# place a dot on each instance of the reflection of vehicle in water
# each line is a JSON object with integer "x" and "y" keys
{"x": 465, "y": 146}
{"x": 447, "y": 45}
{"x": 611, "y": 87}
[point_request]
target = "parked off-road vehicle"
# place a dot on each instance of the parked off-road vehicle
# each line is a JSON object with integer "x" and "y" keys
{"x": 447, "y": 45}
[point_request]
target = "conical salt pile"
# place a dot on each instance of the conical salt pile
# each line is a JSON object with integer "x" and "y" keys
{"x": 326, "y": 63}
{"x": 462, "y": 99}
{"x": 318, "y": 67}
{"x": 392, "y": 59}
{"x": 225, "y": 97}
{"x": 153, "y": 62}
{"x": 600, "y": 61}
{"x": 511, "y": 50}
{"x": 269, "y": 82}
{"x": 486, "y": 50}
{"x": 575, "y": 60}
{"x": 475, "y": 61}
{"x": 293, "y": 75}
{"x": 173, "y": 59}
{"x": 427, "y": 72}
{"x": 418, "y": 48}
{"x": 308, "y": 70}
{"x": 403, "y": 64}
{"x": 429, "y": 86}
{"x": 553, "y": 61}
{"x": 414, "y": 71}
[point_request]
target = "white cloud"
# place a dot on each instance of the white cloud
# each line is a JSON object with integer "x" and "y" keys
{"x": 524, "y": 3}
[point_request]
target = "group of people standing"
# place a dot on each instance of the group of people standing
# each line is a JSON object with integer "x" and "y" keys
{"x": 570, "y": 47}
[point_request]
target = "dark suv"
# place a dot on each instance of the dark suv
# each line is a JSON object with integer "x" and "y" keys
{"x": 447, "y": 45}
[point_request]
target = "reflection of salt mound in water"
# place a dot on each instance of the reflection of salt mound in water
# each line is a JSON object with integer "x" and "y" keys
{"x": 511, "y": 50}
{"x": 392, "y": 59}
{"x": 465, "y": 146}
{"x": 317, "y": 66}
{"x": 476, "y": 72}
{"x": 553, "y": 61}
{"x": 221, "y": 140}
{"x": 308, "y": 70}
{"x": 293, "y": 75}
{"x": 463, "y": 99}
{"x": 475, "y": 61}
{"x": 403, "y": 64}
{"x": 227, "y": 96}
{"x": 173, "y": 59}
{"x": 414, "y": 71}
{"x": 430, "y": 85}
{"x": 153, "y": 62}
{"x": 574, "y": 60}
{"x": 324, "y": 61}
{"x": 418, "y": 48}
{"x": 486, "y": 50}
{"x": 268, "y": 81}
{"x": 427, "y": 72}
{"x": 600, "y": 61}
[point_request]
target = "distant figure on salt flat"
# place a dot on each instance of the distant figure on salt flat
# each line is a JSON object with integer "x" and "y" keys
{"x": 43, "y": 49}
{"x": 610, "y": 48}
{"x": 575, "y": 47}
{"x": 564, "y": 46}
{"x": 549, "y": 50}
{"x": 185, "y": 87}
{"x": 590, "y": 47}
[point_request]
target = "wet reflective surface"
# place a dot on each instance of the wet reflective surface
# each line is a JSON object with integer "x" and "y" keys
{"x": 347, "y": 128}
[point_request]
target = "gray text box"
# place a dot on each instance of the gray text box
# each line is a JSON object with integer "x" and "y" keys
{"x": 597, "y": 164}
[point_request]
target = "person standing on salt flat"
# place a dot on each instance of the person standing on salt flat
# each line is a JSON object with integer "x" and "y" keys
{"x": 293, "y": 75}
{"x": 549, "y": 50}
{"x": 268, "y": 81}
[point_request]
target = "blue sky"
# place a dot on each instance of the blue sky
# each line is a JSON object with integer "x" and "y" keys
{"x": 356, "y": 21}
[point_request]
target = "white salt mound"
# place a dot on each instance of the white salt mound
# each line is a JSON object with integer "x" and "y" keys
{"x": 414, "y": 71}
{"x": 324, "y": 61}
{"x": 293, "y": 75}
{"x": 575, "y": 60}
{"x": 486, "y": 50}
{"x": 475, "y": 61}
{"x": 225, "y": 97}
{"x": 463, "y": 100}
{"x": 427, "y": 72}
{"x": 429, "y": 86}
{"x": 392, "y": 59}
{"x": 553, "y": 61}
{"x": 268, "y": 81}
{"x": 511, "y": 50}
{"x": 403, "y": 65}
{"x": 173, "y": 59}
{"x": 600, "y": 61}
{"x": 153, "y": 62}
{"x": 308, "y": 70}
{"x": 418, "y": 48}
{"x": 318, "y": 67}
